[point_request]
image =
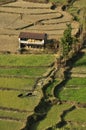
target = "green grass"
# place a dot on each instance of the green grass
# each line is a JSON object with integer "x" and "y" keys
{"x": 73, "y": 94}
{"x": 77, "y": 115}
{"x": 73, "y": 127}
{"x": 76, "y": 81}
{"x": 50, "y": 87}
{"x": 52, "y": 118}
{"x": 10, "y": 125}
{"x": 17, "y": 83}
{"x": 81, "y": 62}
{"x": 17, "y": 115}
{"x": 10, "y": 99}
{"x": 74, "y": 90}
{"x": 79, "y": 70}
{"x": 23, "y": 71}
{"x": 26, "y": 60}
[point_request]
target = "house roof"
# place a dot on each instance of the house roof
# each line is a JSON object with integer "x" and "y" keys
{"x": 32, "y": 35}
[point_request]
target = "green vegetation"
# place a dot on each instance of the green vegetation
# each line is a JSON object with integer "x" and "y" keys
{"x": 5, "y": 125}
{"x": 16, "y": 83}
{"x": 74, "y": 90}
{"x": 26, "y": 60}
{"x": 75, "y": 126}
{"x": 77, "y": 119}
{"x": 76, "y": 82}
{"x": 24, "y": 66}
{"x": 73, "y": 94}
{"x": 51, "y": 87}
{"x": 52, "y": 118}
{"x": 81, "y": 62}
{"x": 77, "y": 115}
{"x": 10, "y": 99}
{"x": 15, "y": 115}
{"x": 23, "y": 71}
{"x": 67, "y": 41}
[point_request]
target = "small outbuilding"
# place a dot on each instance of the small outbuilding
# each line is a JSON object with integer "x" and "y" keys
{"x": 32, "y": 40}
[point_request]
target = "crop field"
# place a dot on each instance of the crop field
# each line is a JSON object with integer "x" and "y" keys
{"x": 81, "y": 62}
{"x": 18, "y": 76}
{"x": 75, "y": 88}
{"x": 5, "y": 125}
{"x": 74, "y": 91}
{"x": 16, "y": 83}
{"x": 79, "y": 117}
{"x": 24, "y": 71}
{"x": 32, "y": 17}
{"x": 52, "y": 117}
{"x": 26, "y": 60}
{"x": 62, "y": 117}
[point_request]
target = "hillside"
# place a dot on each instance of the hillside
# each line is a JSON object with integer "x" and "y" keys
{"x": 37, "y": 91}
{"x": 31, "y": 17}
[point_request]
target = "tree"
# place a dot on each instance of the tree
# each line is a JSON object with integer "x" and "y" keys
{"x": 67, "y": 41}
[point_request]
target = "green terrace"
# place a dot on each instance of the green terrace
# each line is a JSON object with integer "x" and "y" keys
{"x": 26, "y": 60}
{"x": 10, "y": 99}
{"x": 77, "y": 115}
{"x": 81, "y": 62}
{"x": 75, "y": 82}
{"x": 18, "y": 77}
{"x": 30, "y": 72}
{"x": 76, "y": 119}
{"x": 52, "y": 118}
{"x": 14, "y": 115}
{"x": 17, "y": 83}
{"x": 6, "y": 124}
{"x": 74, "y": 90}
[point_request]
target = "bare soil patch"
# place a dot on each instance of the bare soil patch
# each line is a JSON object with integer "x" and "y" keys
{"x": 33, "y": 17}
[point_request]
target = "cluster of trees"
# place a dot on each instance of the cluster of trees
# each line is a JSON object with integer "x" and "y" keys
{"x": 67, "y": 41}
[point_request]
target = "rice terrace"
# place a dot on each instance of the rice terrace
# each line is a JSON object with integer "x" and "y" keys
{"x": 43, "y": 87}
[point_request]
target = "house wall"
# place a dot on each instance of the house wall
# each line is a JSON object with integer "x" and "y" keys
{"x": 32, "y": 41}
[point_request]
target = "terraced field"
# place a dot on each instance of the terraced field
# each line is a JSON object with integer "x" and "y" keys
{"x": 73, "y": 90}
{"x": 15, "y": 103}
{"x": 33, "y": 17}
{"x": 19, "y": 74}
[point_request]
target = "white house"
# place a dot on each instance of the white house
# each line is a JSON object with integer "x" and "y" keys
{"x": 32, "y": 40}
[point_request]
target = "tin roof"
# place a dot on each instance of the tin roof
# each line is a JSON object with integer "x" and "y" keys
{"x": 32, "y": 35}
